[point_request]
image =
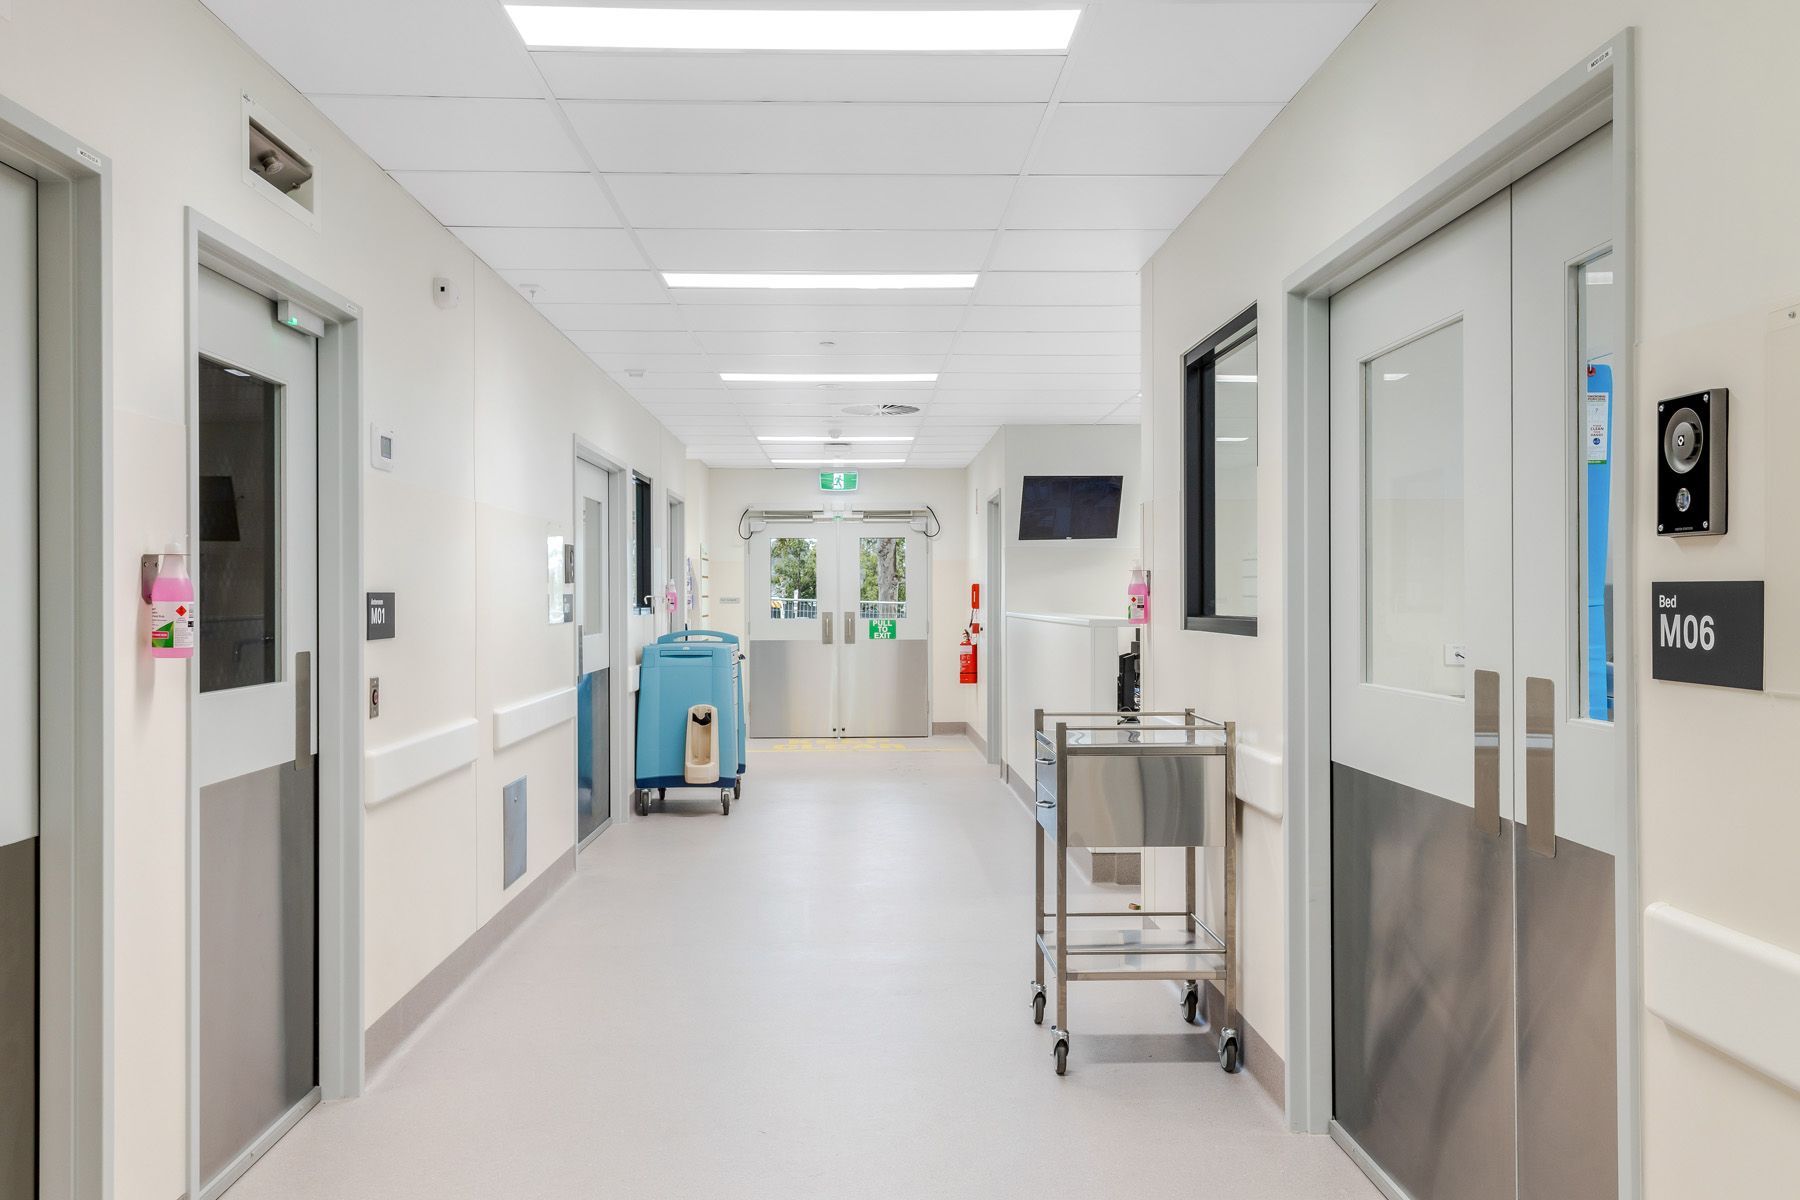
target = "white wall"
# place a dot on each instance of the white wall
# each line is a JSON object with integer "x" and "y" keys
{"x": 1416, "y": 82}
{"x": 485, "y": 401}
{"x": 1050, "y": 577}
{"x": 732, "y": 491}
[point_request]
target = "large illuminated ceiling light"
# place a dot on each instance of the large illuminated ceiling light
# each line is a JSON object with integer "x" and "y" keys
{"x": 559, "y": 27}
{"x": 834, "y": 377}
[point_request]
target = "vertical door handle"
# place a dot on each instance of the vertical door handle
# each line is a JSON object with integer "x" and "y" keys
{"x": 849, "y": 628}
{"x": 580, "y": 648}
{"x": 1540, "y": 766}
{"x": 825, "y": 628}
{"x": 303, "y": 711}
{"x": 1487, "y": 752}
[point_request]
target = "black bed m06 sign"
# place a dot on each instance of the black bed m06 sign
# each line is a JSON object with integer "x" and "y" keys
{"x": 1708, "y": 633}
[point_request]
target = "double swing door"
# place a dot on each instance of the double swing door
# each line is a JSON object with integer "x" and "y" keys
{"x": 1478, "y": 802}
{"x": 837, "y": 630}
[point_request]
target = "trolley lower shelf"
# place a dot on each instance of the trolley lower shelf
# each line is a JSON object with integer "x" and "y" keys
{"x": 1137, "y": 950}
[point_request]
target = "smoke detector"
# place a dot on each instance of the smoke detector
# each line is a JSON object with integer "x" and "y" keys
{"x": 882, "y": 410}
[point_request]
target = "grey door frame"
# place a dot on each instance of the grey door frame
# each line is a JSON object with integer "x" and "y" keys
{"x": 1596, "y": 91}
{"x": 340, "y": 653}
{"x": 76, "y": 649}
{"x": 993, "y": 512}
{"x": 618, "y": 622}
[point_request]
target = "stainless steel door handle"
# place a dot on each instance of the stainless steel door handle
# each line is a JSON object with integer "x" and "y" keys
{"x": 1487, "y": 752}
{"x": 1540, "y": 766}
{"x": 825, "y": 628}
{"x": 303, "y": 711}
{"x": 849, "y": 628}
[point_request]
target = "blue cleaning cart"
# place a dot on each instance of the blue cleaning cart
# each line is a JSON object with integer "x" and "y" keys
{"x": 681, "y": 670}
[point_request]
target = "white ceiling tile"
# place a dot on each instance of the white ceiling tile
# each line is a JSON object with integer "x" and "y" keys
{"x": 812, "y": 201}
{"x": 1063, "y": 342}
{"x": 1050, "y": 381}
{"x": 1043, "y": 318}
{"x": 718, "y": 342}
{"x": 1076, "y": 249}
{"x": 1106, "y": 201}
{"x": 664, "y": 365}
{"x": 624, "y": 317}
{"x": 1149, "y": 139}
{"x": 832, "y": 398}
{"x": 656, "y": 381}
{"x": 899, "y": 250}
{"x": 825, "y": 318}
{"x": 588, "y": 287}
{"x": 825, "y": 139}
{"x": 968, "y": 78}
{"x": 1012, "y": 364}
{"x": 447, "y": 133}
{"x": 947, "y": 398}
{"x": 564, "y": 199}
{"x": 1195, "y": 52}
{"x": 813, "y": 364}
{"x": 617, "y": 345}
{"x": 553, "y": 249}
{"x": 446, "y": 48}
{"x": 1057, "y": 287}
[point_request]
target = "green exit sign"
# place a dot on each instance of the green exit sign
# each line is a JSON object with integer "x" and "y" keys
{"x": 884, "y": 631}
{"x": 837, "y": 481}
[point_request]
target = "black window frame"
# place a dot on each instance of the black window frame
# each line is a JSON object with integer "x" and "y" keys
{"x": 643, "y": 502}
{"x": 1199, "y": 462}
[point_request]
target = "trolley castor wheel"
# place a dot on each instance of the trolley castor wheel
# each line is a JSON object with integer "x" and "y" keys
{"x": 737, "y": 790}
{"x": 640, "y": 799}
{"x": 1061, "y": 1051}
{"x": 1230, "y": 1054}
{"x": 725, "y": 801}
{"x": 1190, "y": 1003}
{"x": 1039, "y": 999}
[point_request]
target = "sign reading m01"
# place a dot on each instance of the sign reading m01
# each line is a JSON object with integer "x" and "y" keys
{"x": 1708, "y": 632}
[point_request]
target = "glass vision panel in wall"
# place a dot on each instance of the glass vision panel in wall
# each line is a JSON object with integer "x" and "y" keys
{"x": 1413, "y": 513}
{"x": 240, "y": 529}
{"x": 882, "y": 561}
{"x": 593, "y": 566}
{"x": 794, "y": 578}
{"x": 1234, "y": 481}
{"x": 1596, "y": 324}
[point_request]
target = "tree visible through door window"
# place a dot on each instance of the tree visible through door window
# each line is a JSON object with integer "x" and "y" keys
{"x": 794, "y": 578}
{"x": 883, "y": 567}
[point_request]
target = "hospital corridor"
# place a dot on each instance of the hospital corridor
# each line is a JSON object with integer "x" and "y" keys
{"x": 896, "y": 599}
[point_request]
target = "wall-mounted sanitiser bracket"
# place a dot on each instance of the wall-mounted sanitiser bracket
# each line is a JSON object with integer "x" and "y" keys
{"x": 1691, "y": 464}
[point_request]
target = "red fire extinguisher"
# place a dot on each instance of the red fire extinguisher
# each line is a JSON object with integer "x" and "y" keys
{"x": 965, "y": 660}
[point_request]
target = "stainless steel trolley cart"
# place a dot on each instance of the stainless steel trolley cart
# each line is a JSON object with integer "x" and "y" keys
{"x": 1106, "y": 781}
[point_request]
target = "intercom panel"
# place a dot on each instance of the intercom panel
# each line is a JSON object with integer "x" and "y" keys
{"x": 1691, "y": 486}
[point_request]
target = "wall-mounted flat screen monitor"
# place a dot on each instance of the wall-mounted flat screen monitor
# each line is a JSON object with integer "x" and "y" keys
{"x": 1057, "y": 508}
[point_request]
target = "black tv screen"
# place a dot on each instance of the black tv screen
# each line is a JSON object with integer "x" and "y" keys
{"x": 1055, "y": 508}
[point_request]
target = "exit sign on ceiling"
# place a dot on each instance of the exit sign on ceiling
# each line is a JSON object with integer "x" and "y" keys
{"x": 837, "y": 481}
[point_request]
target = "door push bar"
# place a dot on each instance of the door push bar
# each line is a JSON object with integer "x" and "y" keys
{"x": 849, "y": 629}
{"x": 825, "y": 628}
{"x": 1487, "y": 752}
{"x": 1540, "y": 760}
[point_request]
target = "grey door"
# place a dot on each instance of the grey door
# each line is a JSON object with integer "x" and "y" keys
{"x": 18, "y": 688}
{"x": 254, "y": 729}
{"x": 1478, "y": 806}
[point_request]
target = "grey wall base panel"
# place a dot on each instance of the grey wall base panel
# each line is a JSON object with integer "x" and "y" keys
{"x": 18, "y": 1018}
{"x": 1260, "y": 1060}
{"x": 950, "y": 728}
{"x": 975, "y": 738}
{"x": 392, "y": 1028}
{"x": 1027, "y": 793}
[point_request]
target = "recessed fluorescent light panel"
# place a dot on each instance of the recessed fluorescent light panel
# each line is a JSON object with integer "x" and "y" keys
{"x": 1236, "y": 379}
{"x": 815, "y": 440}
{"x": 755, "y": 377}
{"x": 571, "y": 28}
{"x": 838, "y": 462}
{"x": 795, "y": 281}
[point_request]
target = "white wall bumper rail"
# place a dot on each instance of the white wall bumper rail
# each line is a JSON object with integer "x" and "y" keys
{"x": 528, "y": 718}
{"x": 1727, "y": 989}
{"x": 401, "y": 767}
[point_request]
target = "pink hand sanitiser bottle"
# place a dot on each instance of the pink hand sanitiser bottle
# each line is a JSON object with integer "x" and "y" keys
{"x": 172, "y": 612}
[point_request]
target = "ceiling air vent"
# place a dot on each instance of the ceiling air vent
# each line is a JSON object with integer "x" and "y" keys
{"x": 881, "y": 410}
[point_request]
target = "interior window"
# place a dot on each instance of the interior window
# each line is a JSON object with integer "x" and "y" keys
{"x": 794, "y": 579}
{"x": 1220, "y": 552}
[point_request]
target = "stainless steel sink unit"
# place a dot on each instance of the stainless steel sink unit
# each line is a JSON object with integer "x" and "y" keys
{"x": 1108, "y": 780}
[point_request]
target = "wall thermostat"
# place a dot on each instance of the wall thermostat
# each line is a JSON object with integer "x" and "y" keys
{"x": 381, "y": 447}
{"x": 1691, "y": 464}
